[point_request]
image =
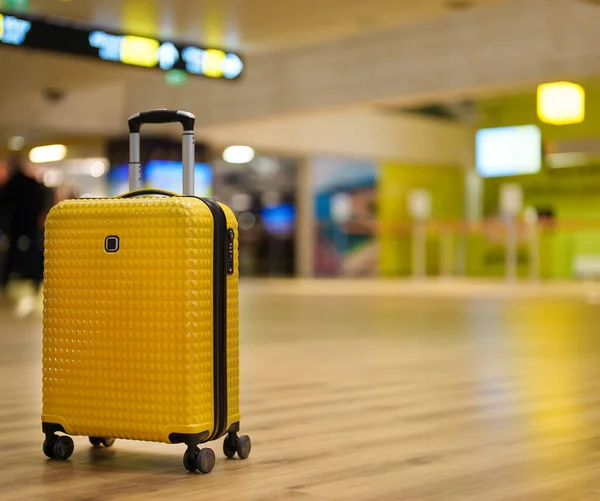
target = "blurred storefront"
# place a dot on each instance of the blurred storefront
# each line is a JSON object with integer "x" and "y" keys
{"x": 345, "y": 216}
{"x": 562, "y": 191}
{"x": 358, "y": 208}
{"x": 262, "y": 193}
{"x": 362, "y": 219}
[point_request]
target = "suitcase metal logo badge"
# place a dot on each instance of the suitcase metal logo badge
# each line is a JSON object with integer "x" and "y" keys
{"x": 111, "y": 243}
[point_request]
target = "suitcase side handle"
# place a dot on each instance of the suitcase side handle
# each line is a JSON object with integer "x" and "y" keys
{"x": 162, "y": 116}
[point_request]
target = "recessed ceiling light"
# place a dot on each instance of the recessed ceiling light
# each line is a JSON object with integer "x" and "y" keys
{"x": 238, "y": 154}
{"x": 50, "y": 153}
{"x": 16, "y": 143}
{"x": 97, "y": 168}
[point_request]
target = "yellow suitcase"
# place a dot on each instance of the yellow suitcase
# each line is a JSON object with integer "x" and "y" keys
{"x": 140, "y": 328}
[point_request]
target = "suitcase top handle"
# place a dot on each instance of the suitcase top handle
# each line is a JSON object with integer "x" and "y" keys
{"x": 187, "y": 121}
{"x": 148, "y": 191}
{"x": 185, "y": 118}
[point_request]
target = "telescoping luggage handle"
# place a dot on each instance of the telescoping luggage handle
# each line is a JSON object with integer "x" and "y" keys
{"x": 186, "y": 119}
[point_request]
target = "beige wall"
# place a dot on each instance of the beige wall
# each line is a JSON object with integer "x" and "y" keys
{"x": 357, "y": 133}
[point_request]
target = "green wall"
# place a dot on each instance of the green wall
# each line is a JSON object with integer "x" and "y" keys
{"x": 446, "y": 185}
{"x": 572, "y": 193}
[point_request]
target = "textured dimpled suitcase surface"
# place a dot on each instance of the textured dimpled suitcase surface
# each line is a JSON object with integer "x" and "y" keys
{"x": 140, "y": 329}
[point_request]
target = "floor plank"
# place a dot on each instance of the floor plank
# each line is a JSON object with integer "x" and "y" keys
{"x": 479, "y": 392}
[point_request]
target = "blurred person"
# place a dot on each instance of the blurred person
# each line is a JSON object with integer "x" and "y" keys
{"x": 24, "y": 203}
{"x": 3, "y": 173}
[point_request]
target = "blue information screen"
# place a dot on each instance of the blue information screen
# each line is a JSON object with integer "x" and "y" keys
{"x": 508, "y": 151}
{"x": 167, "y": 175}
{"x": 118, "y": 180}
{"x": 279, "y": 219}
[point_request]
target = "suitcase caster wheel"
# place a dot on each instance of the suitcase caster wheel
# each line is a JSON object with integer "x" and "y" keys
{"x": 102, "y": 441}
{"x": 234, "y": 444}
{"x": 63, "y": 447}
{"x": 243, "y": 447}
{"x": 202, "y": 460}
{"x": 189, "y": 459}
{"x": 49, "y": 447}
{"x": 229, "y": 446}
{"x": 205, "y": 461}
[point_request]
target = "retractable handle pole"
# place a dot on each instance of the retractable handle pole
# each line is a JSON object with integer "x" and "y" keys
{"x": 187, "y": 121}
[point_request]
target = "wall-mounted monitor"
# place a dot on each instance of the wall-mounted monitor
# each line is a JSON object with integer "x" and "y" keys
{"x": 508, "y": 151}
{"x": 279, "y": 219}
{"x": 118, "y": 180}
{"x": 167, "y": 175}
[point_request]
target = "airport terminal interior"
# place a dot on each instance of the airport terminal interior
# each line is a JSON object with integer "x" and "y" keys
{"x": 414, "y": 223}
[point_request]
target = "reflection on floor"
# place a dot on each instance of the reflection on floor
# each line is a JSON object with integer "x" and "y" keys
{"x": 360, "y": 390}
{"x": 23, "y": 299}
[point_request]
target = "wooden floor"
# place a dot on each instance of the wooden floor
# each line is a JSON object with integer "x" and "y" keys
{"x": 365, "y": 391}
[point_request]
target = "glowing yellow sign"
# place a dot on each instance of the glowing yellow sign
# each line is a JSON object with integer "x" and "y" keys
{"x": 212, "y": 62}
{"x": 139, "y": 51}
{"x": 561, "y": 103}
{"x": 1, "y": 25}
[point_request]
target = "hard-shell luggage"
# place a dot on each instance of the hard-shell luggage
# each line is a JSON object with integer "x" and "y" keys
{"x": 140, "y": 328}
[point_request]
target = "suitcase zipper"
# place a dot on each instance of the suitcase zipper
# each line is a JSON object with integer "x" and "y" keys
{"x": 219, "y": 317}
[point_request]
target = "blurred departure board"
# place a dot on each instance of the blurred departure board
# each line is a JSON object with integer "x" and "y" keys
{"x": 76, "y": 39}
